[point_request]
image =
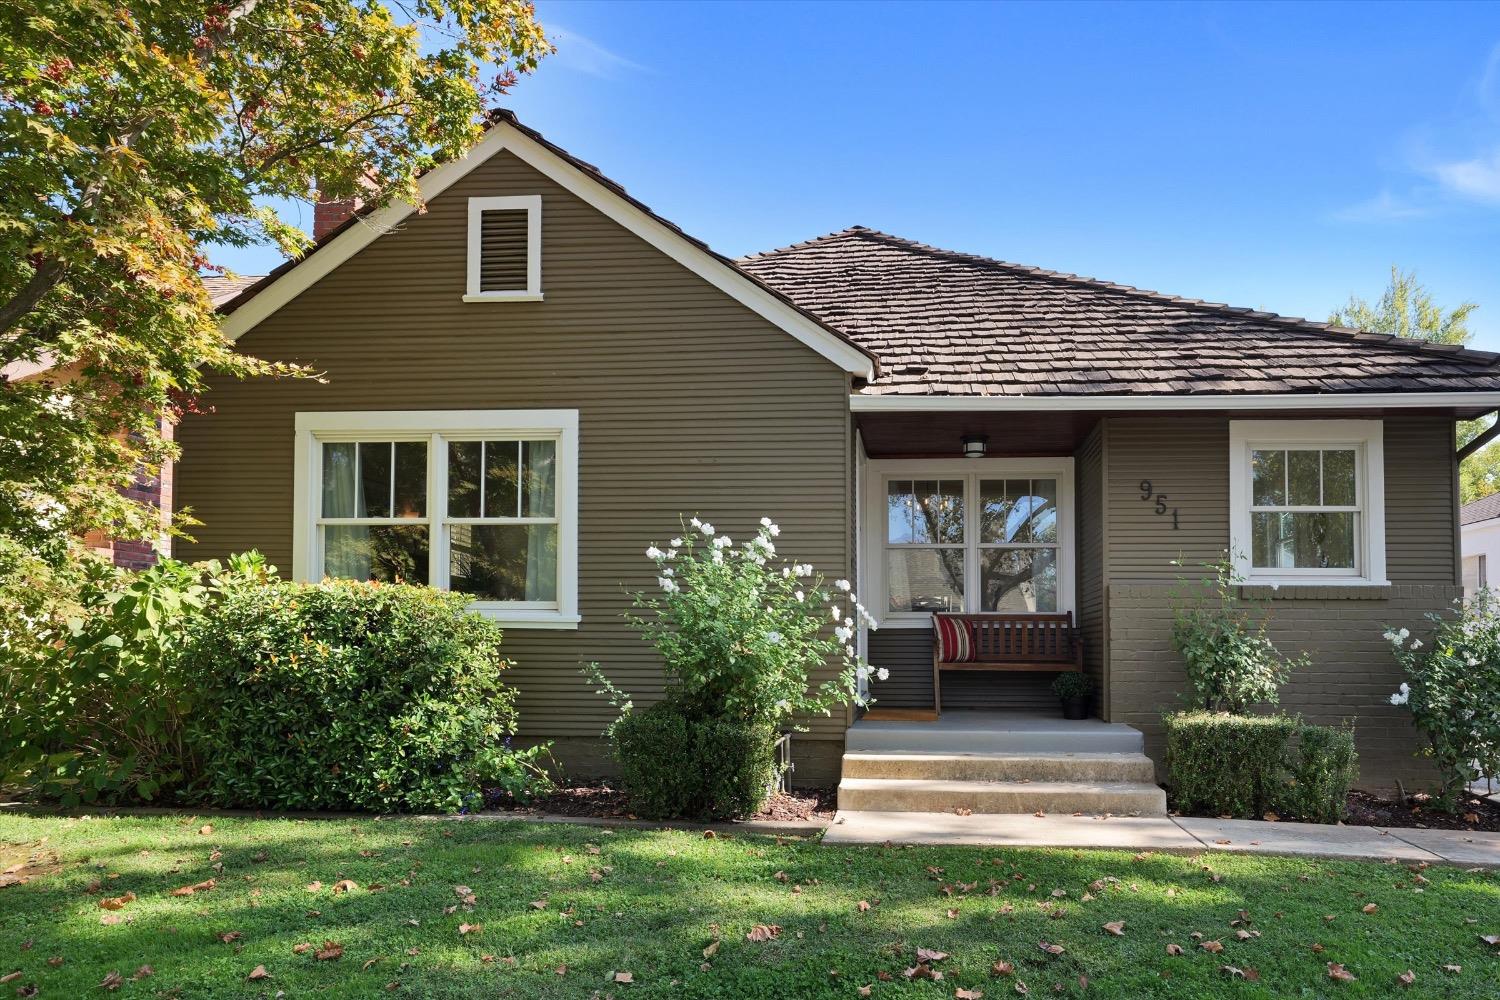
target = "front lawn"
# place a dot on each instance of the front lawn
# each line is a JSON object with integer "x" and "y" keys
{"x": 486, "y": 909}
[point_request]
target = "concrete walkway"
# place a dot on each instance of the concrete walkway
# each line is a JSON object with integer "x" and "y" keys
{"x": 1165, "y": 833}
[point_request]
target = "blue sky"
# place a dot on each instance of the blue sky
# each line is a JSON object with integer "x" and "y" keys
{"x": 1280, "y": 157}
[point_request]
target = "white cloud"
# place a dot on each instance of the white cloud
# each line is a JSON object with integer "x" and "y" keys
{"x": 1384, "y": 207}
{"x": 1477, "y": 178}
{"x": 578, "y": 52}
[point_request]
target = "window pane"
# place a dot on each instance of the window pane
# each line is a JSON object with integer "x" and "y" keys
{"x": 925, "y": 579}
{"x": 998, "y": 515}
{"x": 338, "y": 479}
{"x": 940, "y": 511}
{"x": 1044, "y": 510}
{"x": 1338, "y": 479}
{"x": 411, "y": 479}
{"x": 899, "y": 502}
{"x": 500, "y": 469}
{"x": 389, "y": 553}
{"x": 1018, "y": 580}
{"x": 1302, "y": 541}
{"x": 1303, "y": 479}
{"x": 1268, "y": 474}
{"x": 504, "y": 562}
{"x": 463, "y": 478}
{"x": 373, "y": 498}
{"x": 539, "y": 464}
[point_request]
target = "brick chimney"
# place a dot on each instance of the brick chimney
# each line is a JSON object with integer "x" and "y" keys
{"x": 328, "y": 215}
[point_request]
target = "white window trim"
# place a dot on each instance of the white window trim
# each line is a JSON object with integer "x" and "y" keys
{"x": 1367, "y": 438}
{"x": 878, "y": 472}
{"x": 532, "y": 204}
{"x": 436, "y": 425}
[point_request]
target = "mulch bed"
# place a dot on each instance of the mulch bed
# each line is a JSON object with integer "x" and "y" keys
{"x": 1371, "y": 810}
{"x": 602, "y": 801}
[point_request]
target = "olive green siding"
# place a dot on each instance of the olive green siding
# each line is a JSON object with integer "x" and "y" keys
{"x": 1352, "y": 672}
{"x": 1088, "y": 471}
{"x": 688, "y": 402}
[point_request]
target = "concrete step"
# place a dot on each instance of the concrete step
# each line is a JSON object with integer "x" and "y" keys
{"x": 946, "y": 796}
{"x": 954, "y": 734}
{"x": 1093, "y": 767}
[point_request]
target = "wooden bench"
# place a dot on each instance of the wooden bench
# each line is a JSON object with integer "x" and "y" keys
{"x": 1011, "y": 642}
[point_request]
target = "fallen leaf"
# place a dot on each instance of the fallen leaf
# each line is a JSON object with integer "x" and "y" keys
{"x": 711, "y": 950}
{"x": 928, "y": 955}
{"x": 1317, "y": 948}
{"x": 864, "y": 991}
{"x": 229, "y": 936}
{"x": 1407, "y": 978}
{"x": 1051, "y": 949}
{"x": 1271, "y": 817}
{"x": 112, "y": 981}
{"x": 763, "y": 932}
{"x": 259, "y": 972}
{"x": 1369, "y": 908}
{"x": 538, "y": 904}
{"x": 369, "y": 962}
{"x": 1116, "y": 927}
{"x": 1212, "y": 947}
{"x": 11, "y": 977}
{"x": 1021, "y": 988}
{"x": 862, "y": 906}
{"x": 466, "y": 929}
{"x": 1339, "y": 973}
{"x": 330, "y": 950}
{"x": 344, "y": 885}
{"x": 117, "y": 902}
{"x": 1002, "y": 969}
{"x": 299, "y": 949}
{"x": 963, "y": 994}
{"x": 1232, "y": 971}
{"x": 314, "y": 886}
{"x": 952, "y": 914}
{"x": 1455, "y": 969}
{"x": 55, "y": 961}
{"x": 205, "y": 829}
{"x": 1174, "y": 949}
{"x": 188, "y": 890}
{"x": 624, "y": 977}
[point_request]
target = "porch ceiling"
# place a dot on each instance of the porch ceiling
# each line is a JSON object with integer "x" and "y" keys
{"x": 939, "y": 435}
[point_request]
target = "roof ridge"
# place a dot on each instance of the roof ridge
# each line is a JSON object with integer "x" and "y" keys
{"x": 1342, "y": 333}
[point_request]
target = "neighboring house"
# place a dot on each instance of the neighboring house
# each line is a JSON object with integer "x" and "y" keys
{"x": 530, "y": 381}
{"x": 134, "y": 553}
{"x": 1481, "y": 542}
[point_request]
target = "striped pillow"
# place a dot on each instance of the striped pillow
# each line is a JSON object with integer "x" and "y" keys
{"x": 953, "y": 640}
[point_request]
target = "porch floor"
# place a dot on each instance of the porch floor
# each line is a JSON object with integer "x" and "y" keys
{"x": 974, "y": 732}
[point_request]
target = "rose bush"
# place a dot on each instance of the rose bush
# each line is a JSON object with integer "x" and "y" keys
{"x": 1452, "y": 688}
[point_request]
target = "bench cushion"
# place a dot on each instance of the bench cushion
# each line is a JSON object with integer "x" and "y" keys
{"x": 953, "y": 640}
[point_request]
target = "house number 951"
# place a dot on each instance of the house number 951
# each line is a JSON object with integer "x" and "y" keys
{"x": 1148, "y": 493}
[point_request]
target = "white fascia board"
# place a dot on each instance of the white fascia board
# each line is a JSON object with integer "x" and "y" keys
{"x": 1197, "y": 401}
{"x": 670, "y": 242}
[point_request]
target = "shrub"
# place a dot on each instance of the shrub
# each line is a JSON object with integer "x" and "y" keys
{"x": 97, "y": 704}
{"x": 1230, "y": 659}
{"x": 675, "y": 764}
{"x": 740, "y": 635}
{"x": 1321, "y": 766}
{"x": 346, "y": 695}
{"x": 1073, "y": 684}
{"x": 1453, "y": 690}
{"x": 1220, "y": 764}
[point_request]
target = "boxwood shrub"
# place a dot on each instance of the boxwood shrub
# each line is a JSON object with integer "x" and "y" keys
{"x": 1221, "y": 764}
{"x": 344, "y": 695}
{"x": 676, "y": 765}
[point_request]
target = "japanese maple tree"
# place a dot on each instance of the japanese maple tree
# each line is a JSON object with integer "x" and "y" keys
{"x": 134, "y": 134}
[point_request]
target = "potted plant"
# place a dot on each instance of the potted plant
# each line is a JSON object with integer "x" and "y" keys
{"x": 1073, "y": 690}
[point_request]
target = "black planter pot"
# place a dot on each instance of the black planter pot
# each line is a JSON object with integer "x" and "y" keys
{"x": 1076, "y": 708}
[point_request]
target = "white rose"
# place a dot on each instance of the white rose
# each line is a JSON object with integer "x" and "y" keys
{"x": 883, "y": 674}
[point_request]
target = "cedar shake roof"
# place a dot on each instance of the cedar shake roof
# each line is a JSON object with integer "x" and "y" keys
{"x": 944, "y": 323}
{"x": 1482, "y": 509}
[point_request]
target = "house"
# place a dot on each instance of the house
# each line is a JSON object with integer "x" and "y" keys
{"x": 148, "y": 486}
{"x": 531, "y": 380}
{"x": 1481, "y": 542}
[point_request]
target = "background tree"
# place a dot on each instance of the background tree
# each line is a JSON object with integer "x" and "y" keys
{"x": 134, "y": 134}
{"x": 1406, "y": 309}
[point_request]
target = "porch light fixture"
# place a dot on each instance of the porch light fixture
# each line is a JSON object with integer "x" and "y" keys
{"x": 974, "y": 445}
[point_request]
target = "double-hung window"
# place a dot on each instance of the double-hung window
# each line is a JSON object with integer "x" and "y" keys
{"x": 481, "y": 502}
{"x": 1306, "y": 501}
{"x": 950, "y": 538}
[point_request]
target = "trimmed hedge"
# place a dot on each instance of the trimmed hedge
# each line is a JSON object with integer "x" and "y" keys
{"x": 347, "y": 695}
{"x": 675, "y": 765}
{"x": 1245, "y": 766}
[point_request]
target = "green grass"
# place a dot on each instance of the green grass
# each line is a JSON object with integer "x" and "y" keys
{"x": 661, "y": 897}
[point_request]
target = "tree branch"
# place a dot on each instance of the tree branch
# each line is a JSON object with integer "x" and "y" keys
{"x": 46, "y": 276}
